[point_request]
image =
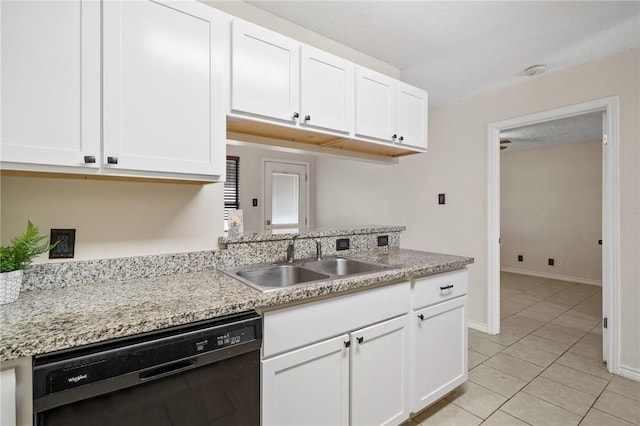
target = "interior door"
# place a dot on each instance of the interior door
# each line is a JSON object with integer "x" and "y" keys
{"x": 285, "y": 196}
{"x": 606, "y": 220}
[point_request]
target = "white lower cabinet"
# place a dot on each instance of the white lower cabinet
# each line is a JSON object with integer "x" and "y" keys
{"x": 307, "y": 386}
{"x": 366, "y": 358}
{"x": 338, "y": 361}
{"x": 380, "y": 373}
{"x": 438, "y": 337}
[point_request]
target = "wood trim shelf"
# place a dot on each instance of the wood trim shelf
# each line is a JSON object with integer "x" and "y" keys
{"x": 263, "y": 132}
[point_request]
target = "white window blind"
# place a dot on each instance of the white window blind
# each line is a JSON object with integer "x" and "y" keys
{"x": 231, "y": 187}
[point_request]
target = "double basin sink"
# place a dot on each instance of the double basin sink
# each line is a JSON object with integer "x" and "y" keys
{"x": 304, "y": 272}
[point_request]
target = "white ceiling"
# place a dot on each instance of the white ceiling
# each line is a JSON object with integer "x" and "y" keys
{"x": 579, "y": 128}
{"x": 456, "y": 49}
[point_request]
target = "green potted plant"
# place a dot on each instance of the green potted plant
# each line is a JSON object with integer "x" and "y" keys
{"x": 15, "y": 258}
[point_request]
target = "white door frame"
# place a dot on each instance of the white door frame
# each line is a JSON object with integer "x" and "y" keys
{"x": 610, "y": 216}
{"x": 263, "y": 194}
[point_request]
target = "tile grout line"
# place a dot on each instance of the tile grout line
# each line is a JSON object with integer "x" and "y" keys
{"x": 548, "y": 366}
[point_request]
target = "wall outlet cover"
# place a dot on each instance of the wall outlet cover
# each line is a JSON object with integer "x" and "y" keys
{"x": 342, "y": 244}
{"x": 66, "y": 239}
{"x": 383, "y": 240}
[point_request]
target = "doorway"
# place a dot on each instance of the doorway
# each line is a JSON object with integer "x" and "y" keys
{"x": 610, "y": 216}
{"x": 286, "y": 189}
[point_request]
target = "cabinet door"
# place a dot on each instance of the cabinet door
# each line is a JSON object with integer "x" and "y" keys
{"x": 50, "y": 82}
{"x": 375, "y": 105}
{"x": 163, "y": 87}
{"x": 411, "y": 115}
{"x": 439, "y": 351}
{"x": 380, "y": 373}
{"x": 265, "y": 72}
{"x": 326, "y": 90}
{"x": 307, "y": 386}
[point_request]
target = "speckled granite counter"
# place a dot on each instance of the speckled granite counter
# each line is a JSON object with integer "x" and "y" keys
{"x": 310, "y": 233}
{"x": 48, "y": 320}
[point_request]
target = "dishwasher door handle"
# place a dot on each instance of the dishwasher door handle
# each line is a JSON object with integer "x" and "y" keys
{"x": 168, "y": 369}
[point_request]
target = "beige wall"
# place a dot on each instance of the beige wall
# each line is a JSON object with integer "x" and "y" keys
{"x": 251, "y": 179}
{"x": 456, "y": 164}
{"x": 551, "y": 207}
{"x": 115, "y": 219}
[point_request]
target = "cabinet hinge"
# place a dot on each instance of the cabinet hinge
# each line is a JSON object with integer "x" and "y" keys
{"x": 605, "y": 322}
{"x": 605, "y": 140}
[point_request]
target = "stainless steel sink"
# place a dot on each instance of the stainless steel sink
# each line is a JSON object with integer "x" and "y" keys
{"x": 344, "y": 266}
{"x": 278, "y": 276}
{"x": 303, "y": 272}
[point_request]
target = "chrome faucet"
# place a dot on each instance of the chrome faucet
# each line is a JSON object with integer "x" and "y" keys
{"x": 318, "y": 251}
{"x": 291, "y": 249}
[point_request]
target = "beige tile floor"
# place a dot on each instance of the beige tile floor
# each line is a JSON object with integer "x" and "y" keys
{"x": 544, "y": 368}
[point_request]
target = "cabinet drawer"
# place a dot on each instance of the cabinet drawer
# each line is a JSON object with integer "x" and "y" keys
{"x": 438, "y": 288}
{"x": 297, "y": 326}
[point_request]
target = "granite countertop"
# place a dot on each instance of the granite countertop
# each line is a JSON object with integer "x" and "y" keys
{"x": 48, "y": 320}
{"x": 309, "y": 233}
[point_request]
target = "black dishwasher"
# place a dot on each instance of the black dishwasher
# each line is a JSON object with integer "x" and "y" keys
{"x": 205, "y": 373}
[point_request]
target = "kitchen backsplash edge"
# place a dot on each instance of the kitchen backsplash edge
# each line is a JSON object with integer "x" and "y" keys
{"x": 86, "y": 272}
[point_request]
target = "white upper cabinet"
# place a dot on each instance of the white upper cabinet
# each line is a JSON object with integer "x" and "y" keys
{"x": 153, "y": 72}
{"x": 265, "y": 72}
{"x": 326, "y": 90}
{"x": 50, "y": 84}
{"x": 390, "y": 110}
{"x": 375, "y": 105}
{"x": 411, "y": 115}
{"x": 275, "y": 77}
{"x": 164, "y": 65}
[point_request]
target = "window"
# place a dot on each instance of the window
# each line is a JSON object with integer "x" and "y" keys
{"x": 231, "y": 188}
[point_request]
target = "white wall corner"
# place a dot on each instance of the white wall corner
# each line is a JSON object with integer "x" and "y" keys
{"x": 477, "y": 326}
{"x": 629, "y": 372}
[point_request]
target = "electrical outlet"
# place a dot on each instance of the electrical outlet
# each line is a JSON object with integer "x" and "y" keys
{"x": 66, "y": 239}
{"x": 551, "y": 262}
{"x": 383, "y": 240}
{"x": 342, "y": 244}
{"x": 558, "y": 263}
{"x": 441, "y": 199}
{"x": 520, "y": 258}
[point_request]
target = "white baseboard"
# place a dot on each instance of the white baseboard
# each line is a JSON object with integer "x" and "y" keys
{"x": 551, "y": 276}
{"x": 630, "y": 373}
{"x": 477, "y": 326}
